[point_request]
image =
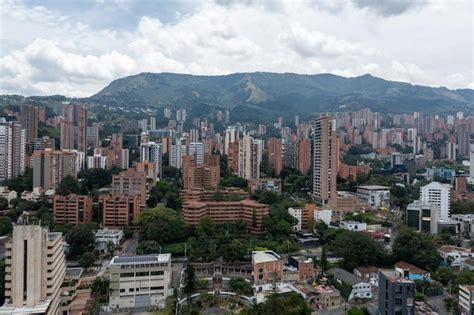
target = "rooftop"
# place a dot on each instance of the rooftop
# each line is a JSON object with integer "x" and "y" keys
{"x": 374, "y": 187}
{"x": 264, "y": 256}
{"x": 450, "y": 249}
{"x": 412, "y": 268}
{"x": 107, "y": 232}
{"x": 393, "y": 276}
{"x": 130, "y": 260}
{"x": 345, "y": 276}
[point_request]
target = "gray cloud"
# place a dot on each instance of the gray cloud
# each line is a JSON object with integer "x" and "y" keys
{"x": 389, "y": 7}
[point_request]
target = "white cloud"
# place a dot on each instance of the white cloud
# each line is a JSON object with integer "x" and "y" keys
{"x": 47, "y": 52}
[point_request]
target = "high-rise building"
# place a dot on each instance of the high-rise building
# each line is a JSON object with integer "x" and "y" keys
{"x": 130, "y": 183}
{"x": 81, "y": 128}
{"x": 249, "y": 158}
{"x": 201, "y": 175}
{"x": 97, "y": 161}
{"x": 35, "y": 267}
{"x": 12, "y": 149}
{"x": 423, "y": 218}
{"x": 325, "y": 160}
{"x": 304, "y": 156}
{"x": 438, "y": 195}
{"x": 396, "y": 293}
{"x": 72, "y": 209}
{"x": 451, "y": 150}
{"x": 275, "y": 155}
{"x": 29, "y": 119}
{"x": 231, "y": 136}
{"x": 67, "y": 135}
{"x": 463, "y": 139}
{"x": 151, "y": 151}
{"x": 290, "y": 154}
{"x": 40, "y": 144}
{"x": 51, "y": 166}
{"x": 233, "y": 157}
{"x": 177, "y": 152}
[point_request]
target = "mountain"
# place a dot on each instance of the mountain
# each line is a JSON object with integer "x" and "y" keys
{"x": 282, "y": 93}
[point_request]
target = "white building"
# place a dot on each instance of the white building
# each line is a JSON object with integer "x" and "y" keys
{"x": 140, "y": 281}
{"x": 231, "y": 135}
{"x": 151, "y": 152}
{"x": 466, "y": 224}
{"x": 97, "y": 161}
{"x": 439, "y": 195}
{"x": 197, "y": 148}
{"x": 471, "y": 165}
{"x": 353, "y": 226}
{"x": 466, "y": 298}
{"x": 104, "y": 236}
{"x": 359, "y": 288}
{"x": 422, "y": 217}
{"x": 177, "y": 153}
{"x": 12, "y": 149}
{"x": 35, "y": 268}
{"x": 453, "y": 255}
{"x": 377, "y": 196}
{"x": 322, "y": 215}
{"x": 296, "y": 213}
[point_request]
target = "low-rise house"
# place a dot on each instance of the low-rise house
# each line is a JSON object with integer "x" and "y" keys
{"x": 327, "y": 296}
{"x": 104, "y": 236}
{"x": 305, "y": 267}
{"x": 467, "y": 264}
{"x": 353, "y": 226}
{"x": 466, "y": 298}
{"x": 453, "y": 255}
{"x": 359, "y": 288}
{"x": 411, "y": 272}
{"x": 368, "y": 273}
{"x": 377, "y": 196}
{"x": 466, "y": 224}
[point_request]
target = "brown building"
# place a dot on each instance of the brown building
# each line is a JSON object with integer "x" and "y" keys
{"x": 275, "y": 155}
{"x": 304, "y": 265}
{"x": 51, "y": 166}
{"x": 325, "y": 160}
{"x": 130, "y": 183}
{"x": 149, "y": 168}
{"x": 81, "y": 128}
{"x": 201, "y": 194}
{"x": 304, "y": 156}
{"x": 205, "y": 175}
{"x": 233, "y": 156}
{"x": 267, "y": 266}
{"x": 72, "y": 209}
{"x": 119, "y": 210}
{"x": 29, "y": 119}
{"x": 249, "y": 211}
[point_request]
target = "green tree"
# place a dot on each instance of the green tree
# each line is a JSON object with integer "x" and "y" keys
{"x": 189, "y": 280}
{"x": 234, "y": 251}
{"x": 416, "y": 248}
{"x": 163, "y": 225}
{"x": 127, "y": 232}
{"x": 68, "y": 185}
{"x": 444, "y": 275}
{"x": 95, "y": 178}
{"x": 81, "y": 239}
{"x": 100, "y": 287}
{"x": 358, "y": 311}
{"x": 240, "y": 286}
{"x": 3, "y": 203}
{"x": 21, "y": 183}
{"x": 465, "y": 277}
{"x": 357, "y": 249}
{"x": 149, "y": 247}
{"x": 324, "y": 260}
{"x": 6, "y": 226}
{"x": 87, "y": 260}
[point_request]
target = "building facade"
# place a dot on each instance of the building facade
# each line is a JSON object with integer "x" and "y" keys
{"x": 72, "y": 209}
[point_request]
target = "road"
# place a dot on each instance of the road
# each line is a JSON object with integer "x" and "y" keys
{"x": 130, "y": 246}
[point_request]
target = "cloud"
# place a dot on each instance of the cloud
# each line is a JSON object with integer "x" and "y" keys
{"x": 389, "y": 7}
{"x": 45, "y": 50}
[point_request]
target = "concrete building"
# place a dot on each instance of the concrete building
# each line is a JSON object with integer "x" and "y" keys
{"x": 250, "y": 155}
{"x": 151, "y": 152}
{"x": 29, "y": 119}
{"x": 51, "y": 166}
{"x": 35, "y": 267}
{"x": 12, "y": 150}
{"x": 140, "y": 281}
{"x": 438, "y": 195}
{"x": 119, "y": 210}
{"x": 150, "y": 169}
{"x": 453, "y": 255}
{"x": 422, "y": 217}
{"x": 40, "y": 144}
{"x": 324, "y": 215}
{"x": 304, "y": 156}
{"x": 377, "y": 196}
{"x": 130, "y": 183}
{"x": 471, "y": 165}
{"x": 72, "y": 209}
{"x": 466, "y": 298}
{"x": 353, "y": 226}
{"x": 325, "y": 160}
{"x": 396, "y": 294}
{"x": 201, "y": 175}
{"x": 231, "y": 136}
{"x": 466, "y": 224}
{"x": 197, "y": 149}
{"x": 275, "y": 155}
{"x": 359, "y": 288}
{"x": 296, "y": 213}
{"x": 267, "y": 266}
{"x": 249, "y": 211}
{"x": 105, "y": 236}
{"x": 97, "y": 161}
{"x": 177, "y": 153}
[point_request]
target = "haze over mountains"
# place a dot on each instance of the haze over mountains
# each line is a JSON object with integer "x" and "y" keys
{"x": 284, "y": 93}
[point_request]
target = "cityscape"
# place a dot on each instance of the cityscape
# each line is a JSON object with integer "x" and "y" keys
{"x": 289, "y": 189}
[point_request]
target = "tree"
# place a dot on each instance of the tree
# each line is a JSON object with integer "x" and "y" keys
{"x": 95, "y": 178}
{"x": 3, "y": 203}
{"x": 358, "y": 311}
{"x": 100, "y": 287}
{"x": 68, "y": 185}
{"x": 152, "y": 201}
{"x": 81, "y": 239}
{"x": 163, "y": 225}
{"x": 287, "y": 303}
{"x": 127, "y": 232}
{"x": 357, "y": 249}
{"x": 149, "y": 247}
{"x": 189, "y": 280}
{"x": 6, "y": 226}
{"x": 416, "y": 248}
{"x": 464, "y": 277}
{"x": 240, "y": 286}
{"x": 234, "y": 251}
{"x": 87, "y": 260}
{"x": 21, "y": 183}
{"x": 444, "y": 275}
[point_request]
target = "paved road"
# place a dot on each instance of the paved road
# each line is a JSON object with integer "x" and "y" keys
{"x": 130, "y": 246}
{"x": 437, "y": 302}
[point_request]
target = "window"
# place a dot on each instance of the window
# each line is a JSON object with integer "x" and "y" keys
{"x": 143, "y": 274}
{"x": 157, "y": 288}
{"x": 127, "y": 274}
{"x": 157, "y": 273}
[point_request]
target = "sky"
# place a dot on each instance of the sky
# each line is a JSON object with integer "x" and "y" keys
{"x": 76, "y": 47}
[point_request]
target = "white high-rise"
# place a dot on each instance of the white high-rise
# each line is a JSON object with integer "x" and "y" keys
{"x": 35, "y": 268}
{"x": 151, "y": 151}
{"x": 197, "y": 148}
{"x": 12, "y": 149}
{"x": 471, "y": 165}
{"x": 177, "y": 152}
{"x": 231, "y": 135}
{"x": 249, "y": 158}
{"x": 438, "y": 195}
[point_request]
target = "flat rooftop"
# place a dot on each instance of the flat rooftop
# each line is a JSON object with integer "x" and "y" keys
{"x": 140, "y": 259}
{"x": 265, "y": 256}
{"x": 107, "y": 232}
{"x": 374, "y": 187}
